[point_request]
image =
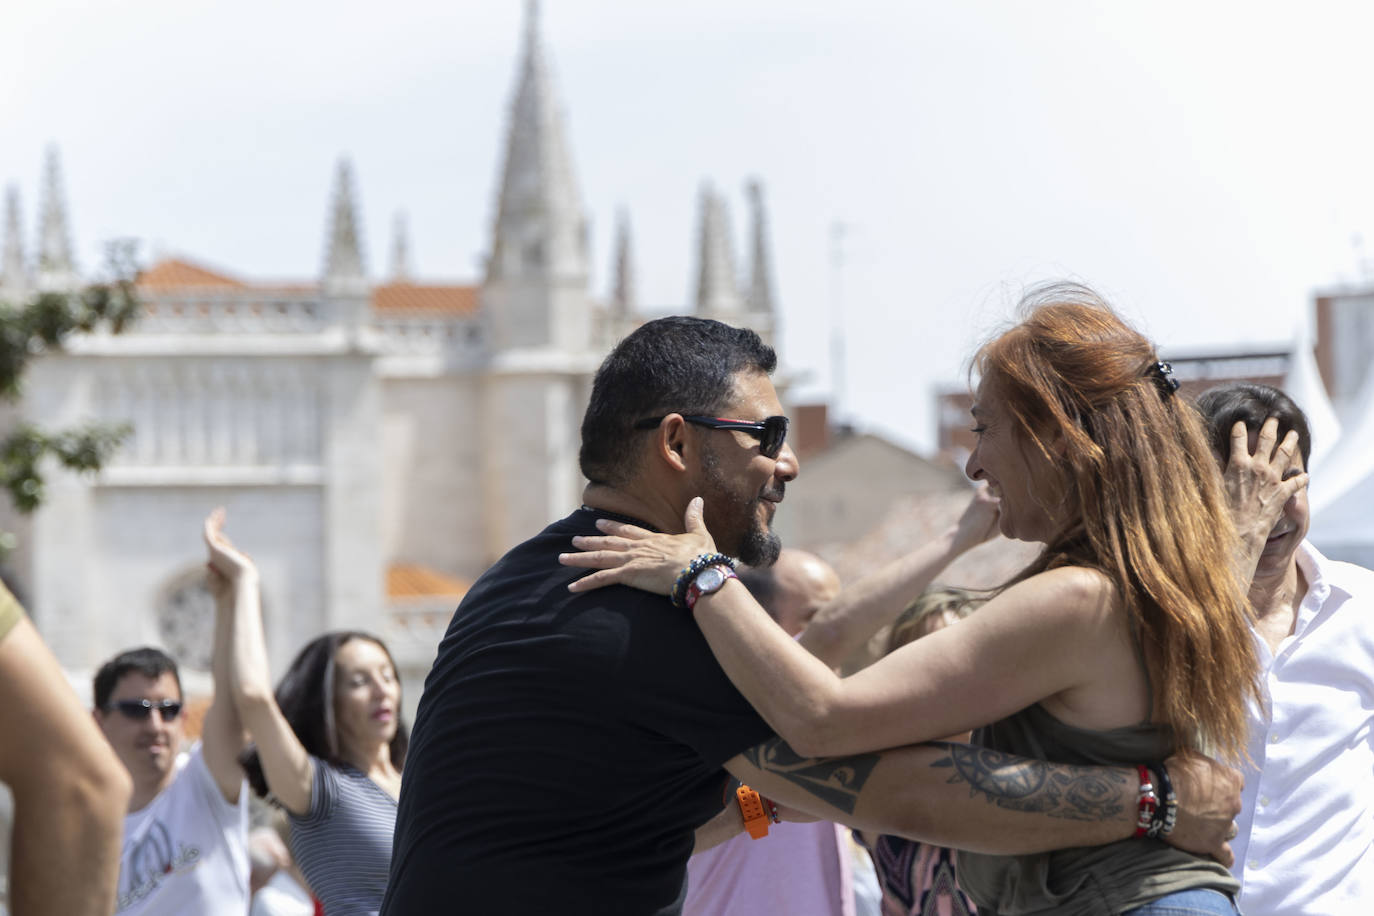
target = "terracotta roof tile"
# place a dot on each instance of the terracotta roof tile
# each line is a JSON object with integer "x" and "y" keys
{"x": 174, "y": 273}
{"x": 408, "y": 580}
{"x": 409, "y": 297}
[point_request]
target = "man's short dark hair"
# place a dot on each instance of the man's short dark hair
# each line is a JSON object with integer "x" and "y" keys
{"x": 1253, "y": 403}
{"x": 669, "y": 365}
{"x": 147, "y": 661}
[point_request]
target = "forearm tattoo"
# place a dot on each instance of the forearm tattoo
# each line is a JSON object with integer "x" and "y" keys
{"x": 1082, "y": 793}
{"x": 837, "y": 781}
{"x": 1079, "y": 793}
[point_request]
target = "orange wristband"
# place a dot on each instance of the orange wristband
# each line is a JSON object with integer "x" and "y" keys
{"x": 755, "y": 816}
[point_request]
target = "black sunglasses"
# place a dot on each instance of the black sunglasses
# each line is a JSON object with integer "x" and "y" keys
{"x": 770, "y": 431}
{"x": 138, "y": 710}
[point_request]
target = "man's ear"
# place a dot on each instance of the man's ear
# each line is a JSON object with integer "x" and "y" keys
{"x": 670, "y": 442}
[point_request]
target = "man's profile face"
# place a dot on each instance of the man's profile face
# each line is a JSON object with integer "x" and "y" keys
{"x": 147, "y": 745}
{"x": 742, "y": 487}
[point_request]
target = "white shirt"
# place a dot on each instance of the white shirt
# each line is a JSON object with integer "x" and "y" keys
{"x": 1306, "y": 843}
{"x": 186, "y": 851}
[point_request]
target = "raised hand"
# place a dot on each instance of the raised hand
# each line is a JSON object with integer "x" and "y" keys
{"x": 629, "y": 555}
{"x": 226, "y": 561}
{"x": 979, "y": 521}
{"x": 1259, "y": 482}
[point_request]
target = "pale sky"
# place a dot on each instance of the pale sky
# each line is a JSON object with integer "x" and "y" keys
{"x": 1205, "y": 165}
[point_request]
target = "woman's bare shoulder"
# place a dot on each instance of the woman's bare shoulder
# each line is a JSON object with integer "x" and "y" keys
{"x": 1074, "y": 591}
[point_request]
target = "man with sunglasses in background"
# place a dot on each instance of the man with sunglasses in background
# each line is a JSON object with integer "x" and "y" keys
{"x": 186, "y": 834}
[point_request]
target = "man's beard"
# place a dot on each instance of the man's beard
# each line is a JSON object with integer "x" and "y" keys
{"x": 736, "y": 518}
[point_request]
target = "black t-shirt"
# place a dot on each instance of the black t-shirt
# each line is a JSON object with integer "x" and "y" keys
{"x": 565, "y": 749}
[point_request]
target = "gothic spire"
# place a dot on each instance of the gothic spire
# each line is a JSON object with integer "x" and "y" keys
{"x": 717, "y": 292}
{"x": 13, "y": 271}
{"x": 343, "y": 264}
{"x": 56, "y": 269}
{"x": 400, "y": 249}
{"x": 760, "y": 292}
{"x": 623, "y": 294}
{"x": 540, "y": 225}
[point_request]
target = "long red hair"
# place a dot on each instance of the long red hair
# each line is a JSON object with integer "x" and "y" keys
{"x": 1144, "y": 499}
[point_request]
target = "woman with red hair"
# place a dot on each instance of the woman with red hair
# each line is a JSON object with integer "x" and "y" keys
{"x": 1125, "y": 641}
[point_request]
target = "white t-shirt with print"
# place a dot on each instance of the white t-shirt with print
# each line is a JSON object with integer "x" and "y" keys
{"x": 186, "y": 851}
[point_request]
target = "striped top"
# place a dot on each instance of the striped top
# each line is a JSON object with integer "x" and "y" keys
{"x": 343, "y": 844}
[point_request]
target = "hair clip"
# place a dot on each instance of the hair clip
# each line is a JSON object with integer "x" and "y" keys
{"x": 1163, "y": 374}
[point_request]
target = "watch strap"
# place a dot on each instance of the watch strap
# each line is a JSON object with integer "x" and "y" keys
{"x": 755, "y": 814}
{"x": 694, "y": 591}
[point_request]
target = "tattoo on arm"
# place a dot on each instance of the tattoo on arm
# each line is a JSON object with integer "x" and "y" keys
{"x": 836, "y": 781}
{"x": 1082, "y": 793}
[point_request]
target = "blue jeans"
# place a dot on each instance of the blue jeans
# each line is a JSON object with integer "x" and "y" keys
{"x": 1201, "y": 902}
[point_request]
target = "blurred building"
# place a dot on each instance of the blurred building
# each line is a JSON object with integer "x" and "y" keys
{"x": 1342, "y": 490}
{"x": 377, "y": 441}
{"x": 1196, "y": 371}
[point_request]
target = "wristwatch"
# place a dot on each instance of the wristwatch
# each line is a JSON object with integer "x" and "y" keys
{"x": 707, "y": 582}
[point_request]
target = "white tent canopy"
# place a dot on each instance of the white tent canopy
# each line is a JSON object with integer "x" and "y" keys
{"x": 1342, "y": 494}
{"x": 1303, "y": 384}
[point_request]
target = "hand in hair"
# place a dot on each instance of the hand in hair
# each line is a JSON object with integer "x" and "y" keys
{"x": 1258, "y": 483}
{"x": 630, "y": 555}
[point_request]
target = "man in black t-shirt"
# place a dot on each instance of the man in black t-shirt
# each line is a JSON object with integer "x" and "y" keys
{"x": 568, "y": 750}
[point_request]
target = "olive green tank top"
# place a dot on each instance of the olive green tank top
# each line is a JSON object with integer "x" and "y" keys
{"x": 1089, "y": 880}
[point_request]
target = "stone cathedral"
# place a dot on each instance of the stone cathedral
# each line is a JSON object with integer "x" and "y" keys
{"x": 377, "y": 442}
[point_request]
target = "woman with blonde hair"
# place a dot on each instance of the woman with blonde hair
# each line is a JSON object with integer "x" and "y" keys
{"x": 920, "y": 879}
{"x": 1125, "y": 640}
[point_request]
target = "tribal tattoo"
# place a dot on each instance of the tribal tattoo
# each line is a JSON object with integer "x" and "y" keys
{"x": 1083, "y": 793}
{"x": 836, "y": 781}
{"x": 1079, "y": 793}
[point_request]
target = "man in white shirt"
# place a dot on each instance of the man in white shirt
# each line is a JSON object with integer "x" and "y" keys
{"x": 1306, "y": 842}
{"x": 186, "y": 834}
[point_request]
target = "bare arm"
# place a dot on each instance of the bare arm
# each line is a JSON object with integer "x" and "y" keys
{"x": 1056, "y": 631}
{"x": 841, "y": 627}
{"x": 285, "y": 763}
{"x": 222, "y": 735}
{"x": 1049, "y": 634}
{"x": 70, "y": 791}
{"x": 726, "y": 825}
{"x": 986, "y": 801}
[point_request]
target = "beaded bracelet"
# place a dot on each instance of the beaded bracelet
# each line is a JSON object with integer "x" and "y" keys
{"x": 772, "y": 807}
{"x": 684, "y": 578}
{"x": 1147, "y": 805}
{"x": 1166, "y": 815}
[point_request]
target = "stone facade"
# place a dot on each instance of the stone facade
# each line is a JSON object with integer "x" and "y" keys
{"x": 352, "y": 427}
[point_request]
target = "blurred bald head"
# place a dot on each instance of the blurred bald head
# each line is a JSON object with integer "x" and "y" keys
{"x": 793, "y": 588}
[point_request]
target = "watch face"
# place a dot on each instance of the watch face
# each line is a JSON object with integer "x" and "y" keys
{"x": 710, "y": 579}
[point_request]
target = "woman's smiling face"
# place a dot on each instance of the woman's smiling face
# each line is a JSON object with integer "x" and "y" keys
{"x": 1022, "y": 478}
